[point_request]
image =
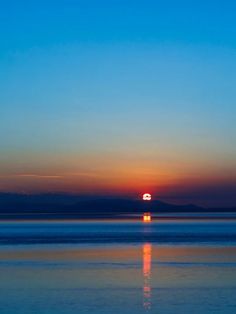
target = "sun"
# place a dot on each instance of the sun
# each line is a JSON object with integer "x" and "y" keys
{"x": 147, "y": 197}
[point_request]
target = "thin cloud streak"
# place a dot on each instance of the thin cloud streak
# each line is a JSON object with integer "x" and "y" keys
{"x": 32, "y": 176}
{"x": 82, "y": 174}
{"x": 41, "y": 176}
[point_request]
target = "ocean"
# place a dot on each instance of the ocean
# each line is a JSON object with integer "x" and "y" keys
{"x": 168, "y": 266}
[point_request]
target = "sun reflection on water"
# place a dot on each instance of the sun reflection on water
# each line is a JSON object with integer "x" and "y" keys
{"x": 147, "y": 261}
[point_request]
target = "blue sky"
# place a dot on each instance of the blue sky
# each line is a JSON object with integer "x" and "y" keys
{"x": 145, "y": 87}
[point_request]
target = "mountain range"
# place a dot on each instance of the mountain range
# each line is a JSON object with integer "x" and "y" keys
{"x": 65, "y": 206}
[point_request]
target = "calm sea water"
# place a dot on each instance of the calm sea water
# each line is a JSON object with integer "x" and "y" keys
{"x": 168, "y": 266}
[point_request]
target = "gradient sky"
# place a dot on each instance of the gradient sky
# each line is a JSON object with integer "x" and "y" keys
{"x": 119, "y": 97}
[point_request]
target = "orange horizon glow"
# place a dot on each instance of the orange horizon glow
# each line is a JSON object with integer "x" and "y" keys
{"x": 104, "y": 171}
{"x": 111, "y": 174}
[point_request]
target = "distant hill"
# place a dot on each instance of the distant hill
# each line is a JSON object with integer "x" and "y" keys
{"x": 64, "y": 206}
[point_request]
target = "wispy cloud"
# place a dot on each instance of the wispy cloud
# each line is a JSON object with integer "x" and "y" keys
{"x": 83, "y": 174}
{"x": 31, "y": 175}
{"x": 46, "y": 176}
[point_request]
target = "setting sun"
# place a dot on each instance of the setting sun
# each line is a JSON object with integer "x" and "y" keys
{"x": 147, "y": 197}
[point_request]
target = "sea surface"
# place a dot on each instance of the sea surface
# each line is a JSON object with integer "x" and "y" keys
{"x": 168, "y": 266}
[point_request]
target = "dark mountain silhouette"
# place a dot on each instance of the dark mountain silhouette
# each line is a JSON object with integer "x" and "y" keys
{"x": 65, "y": 206}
